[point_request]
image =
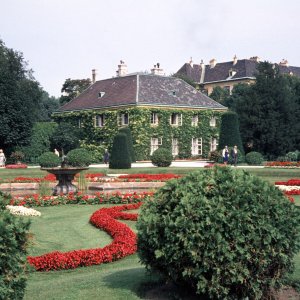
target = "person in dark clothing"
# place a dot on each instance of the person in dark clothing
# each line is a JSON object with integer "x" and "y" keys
{"x": 106, "y": 157}
{"x": 234, "y": 155}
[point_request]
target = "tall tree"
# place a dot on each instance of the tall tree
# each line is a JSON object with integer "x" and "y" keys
{"x": 268, "y": 112}
{"x": 20, "y": 98}
{"x": 48, "y": 106}
{"x": 219, "y": 94}
{"x": 72, "y": 88}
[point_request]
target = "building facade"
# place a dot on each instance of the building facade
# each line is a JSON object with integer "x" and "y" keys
{"x": 227, "y": 74}
{"x": 161, "y": 111}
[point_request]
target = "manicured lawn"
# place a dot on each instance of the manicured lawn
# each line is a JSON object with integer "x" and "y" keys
{"x": 67, "y": 228}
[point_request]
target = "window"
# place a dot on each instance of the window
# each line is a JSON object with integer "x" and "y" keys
{"x": 196, "y": 146}
{"x": 101, "y": 94}
{"x": 155, "y": 143}
{"x": 174, "y": 147}
{"x": 176, "y": 119}
{"x": 99, "y": 121}
{"x": 213, "y": 122}
{"x": 154, "y": 118}
{"x": 195, "y": 120}
{"x": 123, "y": 119}
{"x": 213, "y": 144}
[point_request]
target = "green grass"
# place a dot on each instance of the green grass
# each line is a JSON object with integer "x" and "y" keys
{"x": 67, "y": 228}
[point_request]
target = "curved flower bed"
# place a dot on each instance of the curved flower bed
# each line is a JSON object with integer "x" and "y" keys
{"x": 124, "y": 243}
{"x": 79, "y": 198}
{"x": 16, "y": 166}
{"x": 286, "y": 164}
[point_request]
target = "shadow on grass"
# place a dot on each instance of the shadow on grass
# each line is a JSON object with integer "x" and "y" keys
{"x": 147, "y": 286}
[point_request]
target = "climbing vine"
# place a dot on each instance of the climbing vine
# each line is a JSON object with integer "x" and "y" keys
{"x": 142, "y": 130}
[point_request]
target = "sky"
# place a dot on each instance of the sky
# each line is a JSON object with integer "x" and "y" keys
{"x": 63, "y": 39}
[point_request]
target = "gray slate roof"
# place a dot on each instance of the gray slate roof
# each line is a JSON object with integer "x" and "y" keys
{"x": 143, "y": 90}
{"x": 244, "y": 68}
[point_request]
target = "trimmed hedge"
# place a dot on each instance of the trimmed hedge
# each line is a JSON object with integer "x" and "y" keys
{"x": 79, "y": 158}
{"x": 220, "y": 232}
{"x": 254, "y": 158}
{"x": 49, "y": 160}
{"x": 161, "y": 157}
{"x": 120, "y": 156}
{"x": 127, "y": 131}
{"x": 13, "y": 236}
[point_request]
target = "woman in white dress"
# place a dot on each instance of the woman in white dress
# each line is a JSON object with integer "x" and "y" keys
{"x": 2, "y": 158}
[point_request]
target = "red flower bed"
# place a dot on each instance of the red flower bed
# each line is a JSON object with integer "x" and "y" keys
{"x": 124, "y": 243}
{"x": 16, "y": 166}
{"x": 282, "y": 164}
{"x": 289, "y": 182}
{"x": 48, "y": 177}
{"x": 148, "y": 177}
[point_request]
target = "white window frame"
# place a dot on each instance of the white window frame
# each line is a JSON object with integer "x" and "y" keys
{"x": 154, "y": 144}
{"x": 214, "y": 142}
{"x": 154, "y": 118}
{"x": 196, "y": 146}
{"x": 175, "y": 146}
{"x": 195, "y": 120}
{"x": 123, "y": 119}
{"x": 99, "y": 120}
{"x": 176, "y": 119}
{"x": 213, "y": 122}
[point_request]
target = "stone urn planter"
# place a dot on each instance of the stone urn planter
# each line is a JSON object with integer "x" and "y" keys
{"x": 64, "y": 175}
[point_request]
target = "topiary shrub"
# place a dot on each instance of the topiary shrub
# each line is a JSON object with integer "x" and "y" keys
{"x": 254, "y": 158}
{"x": 49, "y": 160}
{"x": 292, "y": 156}
{"x": 79, "y": 158}
{"x": 162, "y": 157}
{"x": 120, "y": 156}
{"x": 127, "y": 131}
{"x": 215, "y": 156}
{"x": 220, "y": 232}
{"x": 13, "y": 236}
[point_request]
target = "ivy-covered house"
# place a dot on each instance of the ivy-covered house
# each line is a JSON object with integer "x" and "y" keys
{"x": 160, "y": 111}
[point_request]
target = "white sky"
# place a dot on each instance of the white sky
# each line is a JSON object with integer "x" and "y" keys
{"x": 63, "y": 39}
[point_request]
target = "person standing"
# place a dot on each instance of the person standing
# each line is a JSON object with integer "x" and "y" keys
{"x": 234, "y": 155}
{"x": 106, "y": 157}
{"x": 2, "y": 159}
{"x": 225, "y": 155}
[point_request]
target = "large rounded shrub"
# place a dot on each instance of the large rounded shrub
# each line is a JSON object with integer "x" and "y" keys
{"x": 254, "y": 158}
{"x": 220, "y": 232}
{"x": 49, "y": 160}
{"x": 161, "y": 157}
{"x": 79, "y": 158}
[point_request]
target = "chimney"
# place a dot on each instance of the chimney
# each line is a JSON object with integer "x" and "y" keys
{"x": 235, "y": 60}
{"x": 93, "y": 76}
{"x": 284, "y": 63}
{"x": 122, "y": 69}
{"x": 212, "y": 63}
{"x": 157, "y": 70}
{"x": 202, "y": 75}
{"x": 255, "y": 58}
{"x": 191, "y": 62}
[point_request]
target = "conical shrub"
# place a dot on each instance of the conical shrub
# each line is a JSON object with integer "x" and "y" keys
{"x": 127, "y": 131}
{"x": 120, "y": 157}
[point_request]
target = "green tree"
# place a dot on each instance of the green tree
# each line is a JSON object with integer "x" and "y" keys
{"x": 127, "y": 131}
{"x": 268, "y": 112}
{"x": 20, "y": 98}
{"x": 229, "y": 131}
{"x": 65, "y": 137}
{"x": 72, "y": 88}
{"x": 48, "y": 106}
{"x": 219, "y": 94}
{"x": 120, "y": 156}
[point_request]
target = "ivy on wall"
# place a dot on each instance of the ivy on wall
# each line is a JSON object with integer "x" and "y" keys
{"x": 142, "y": 130}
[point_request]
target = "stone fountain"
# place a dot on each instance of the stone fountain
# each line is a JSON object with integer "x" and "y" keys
{"x": 64, "y": 174}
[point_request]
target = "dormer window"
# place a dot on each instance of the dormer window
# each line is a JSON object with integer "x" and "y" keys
{"x": 232, "y": 72}
{"x": 176, "y": 119}
{"x": 101, "y": 94}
